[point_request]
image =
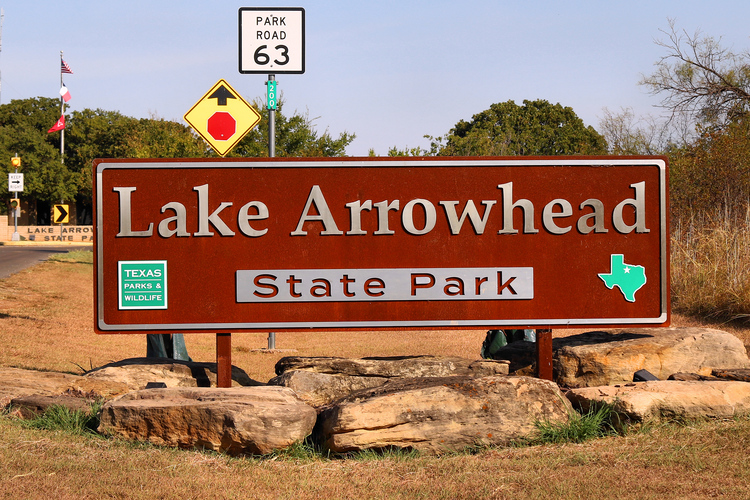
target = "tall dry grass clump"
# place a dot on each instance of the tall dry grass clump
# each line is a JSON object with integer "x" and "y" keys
{"x": 711, "y": 265}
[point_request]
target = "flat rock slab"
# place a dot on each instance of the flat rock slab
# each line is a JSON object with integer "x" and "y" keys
{"x": 17, "y": 382}
{"x": 739, "y": 374}
{"x": 31, "y": 406}
{"x": 441, "y": 414}
{"x": 394, "y": 366}
{"x": 668, "y": 399}
{"x": 319, "y": 389}
{"x": 321, "y": 380}
{"x": 611, "y": 357}
{"x": 242, "y": 420}
{"x": 137, "y": 372}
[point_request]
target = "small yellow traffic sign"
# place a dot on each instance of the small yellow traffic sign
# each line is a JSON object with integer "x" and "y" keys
{"x": 222, "y": 117}
{"x": 60, "y": 214}
{"x": 16, "y": 161}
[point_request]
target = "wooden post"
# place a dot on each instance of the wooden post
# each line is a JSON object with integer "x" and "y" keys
{"x": 224, "y": 360}
{"x": 544, "y": 354}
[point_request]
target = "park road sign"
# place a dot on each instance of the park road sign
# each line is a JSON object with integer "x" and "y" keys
{"x": 272, "y": 40}
{"x": 380, "y": 243}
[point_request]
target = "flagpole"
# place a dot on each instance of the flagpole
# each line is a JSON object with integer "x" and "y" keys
{"x": 2, "y": 17}
{"x": 62, "y": 113}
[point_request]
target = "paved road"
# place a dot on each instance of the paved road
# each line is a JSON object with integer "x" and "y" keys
{"x": 14, "y": 258}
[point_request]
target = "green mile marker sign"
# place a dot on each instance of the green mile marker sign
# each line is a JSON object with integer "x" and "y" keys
{"x": 272, "y": 95}
{"x": 142, "y": 284}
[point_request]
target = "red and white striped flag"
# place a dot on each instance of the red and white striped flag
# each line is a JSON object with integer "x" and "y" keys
{"x": 64, "y": 68}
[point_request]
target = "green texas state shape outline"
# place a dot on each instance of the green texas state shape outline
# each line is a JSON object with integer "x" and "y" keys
{"x": 627, "y": 277}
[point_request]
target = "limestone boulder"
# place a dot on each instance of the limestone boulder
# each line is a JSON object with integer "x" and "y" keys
{"x": 394, "y": 366}
{"x": 612, "y": 357}
{"x": 668, "y": 399}
{"x": 242, "y": 420}
{"x": 441, "y": 414}
{"x": 136, "y": 373}
{"x": 739, "y": 374}
{"x": 31, "y": 406}
{"x": 17, "y": 383}
{"x": 319, "y": 389}
{"x": 322, "y": 380}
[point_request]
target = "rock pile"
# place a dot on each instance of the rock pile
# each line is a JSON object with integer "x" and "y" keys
{"x": 610, "y": 357}
{"x": 433, "y": 404}
{"x": 321, "y": 380}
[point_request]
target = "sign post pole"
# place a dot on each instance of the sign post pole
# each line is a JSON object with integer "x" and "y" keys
{"x": 544, "y": 354}
{"x": 16, "y": 236}
{"x": 224, "y": 360}
{"x": 271, "y": 118}
{"x": 15, "y": 184}
{"x": 271, "y": 99}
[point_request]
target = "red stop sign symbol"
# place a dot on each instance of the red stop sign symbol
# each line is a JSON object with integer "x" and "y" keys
{"x": 221, "y": 126}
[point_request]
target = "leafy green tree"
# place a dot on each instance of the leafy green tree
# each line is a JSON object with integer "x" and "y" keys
{"x": 23, "y": 131}
{"x": 394, "y": 151}
{"x": 295, "y": 137}
{"x": 536, "y": 128}
{"x": 159, "y": 138}
{"x": 701, "y": 79}
{"x": 92, "y": 134}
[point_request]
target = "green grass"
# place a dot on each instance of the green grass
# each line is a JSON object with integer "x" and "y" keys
{"x": 597, "y": 422}
{"x": 75, "y": 256}
{"x": 62, "y": 418}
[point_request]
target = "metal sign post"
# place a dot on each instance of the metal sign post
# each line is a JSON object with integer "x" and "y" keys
{"x": 15, "y": 185}
{"x": 271, "y": 105}
{"x": 271, "y": 41}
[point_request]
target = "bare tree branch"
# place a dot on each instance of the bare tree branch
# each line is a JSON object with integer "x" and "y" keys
{"x": 700, "y": 78}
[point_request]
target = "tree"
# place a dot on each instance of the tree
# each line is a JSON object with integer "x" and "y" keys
{"x": 158, "y": 138}
{"x": 627, "y": 134}
{"x": 92, "y": 134}
{"x": 23, "y": 131}
{"x": 712, "y": 175}
{"x": 295, "y": 137}
{"x": 701, "y": 79}
{"x": 536, "y": 128}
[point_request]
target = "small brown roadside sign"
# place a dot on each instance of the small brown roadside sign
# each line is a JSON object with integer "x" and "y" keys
{"x": 386, "y": 243}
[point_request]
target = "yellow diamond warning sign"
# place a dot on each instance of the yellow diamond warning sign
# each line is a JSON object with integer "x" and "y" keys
{"x": 222, "y": 117}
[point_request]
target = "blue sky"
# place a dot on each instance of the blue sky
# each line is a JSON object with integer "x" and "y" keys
{"x": 388, "y": 71}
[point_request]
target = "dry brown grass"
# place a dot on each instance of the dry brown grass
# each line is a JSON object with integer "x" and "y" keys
{"x": 46, "y": 323}
{"x": 703, "y": 460}
{"x": 711, "y": 267}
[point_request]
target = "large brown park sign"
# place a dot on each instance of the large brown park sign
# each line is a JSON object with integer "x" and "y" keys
{"x": 398, "y": 243}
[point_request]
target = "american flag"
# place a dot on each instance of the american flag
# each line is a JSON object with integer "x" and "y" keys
{"x": 64, "y": 68}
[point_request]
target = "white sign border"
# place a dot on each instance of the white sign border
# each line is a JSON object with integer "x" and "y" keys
{"x": 19, "y": 176}
{"x": 276, "y": 70}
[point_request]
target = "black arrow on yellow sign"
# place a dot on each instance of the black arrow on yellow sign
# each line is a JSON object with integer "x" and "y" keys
{"x": 221, "y": 95}
{"x": 60, "y": 214}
